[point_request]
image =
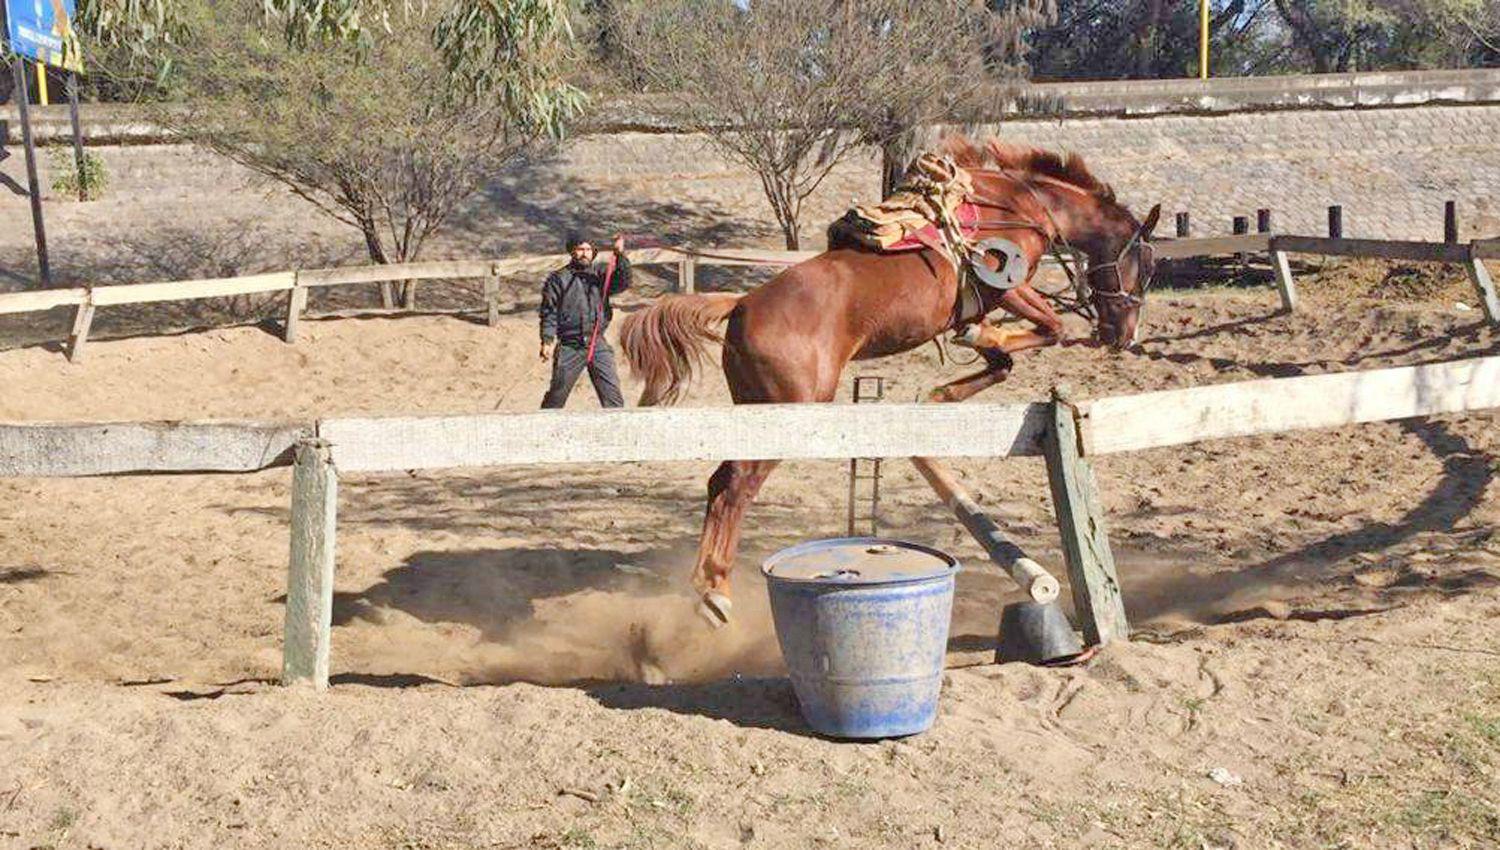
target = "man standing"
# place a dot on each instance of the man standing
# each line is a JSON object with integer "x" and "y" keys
{"x": 575, "y": 312}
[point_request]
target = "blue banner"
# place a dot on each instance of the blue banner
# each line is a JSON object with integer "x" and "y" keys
{"x": 43, "y": 30}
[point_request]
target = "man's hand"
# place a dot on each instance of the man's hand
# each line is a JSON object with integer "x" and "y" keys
{"x": 619, "y": 243}
{"x": 547, "y": 346}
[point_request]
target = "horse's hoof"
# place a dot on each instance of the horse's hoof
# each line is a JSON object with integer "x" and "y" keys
{"x": 714, "y": 609}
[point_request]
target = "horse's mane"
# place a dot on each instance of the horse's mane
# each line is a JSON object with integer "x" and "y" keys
{"x": 1068, "y": 168}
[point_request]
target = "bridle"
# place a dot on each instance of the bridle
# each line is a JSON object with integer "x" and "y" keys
{"x": 1085, "y": 290}
{"x": 1148, "y": 257}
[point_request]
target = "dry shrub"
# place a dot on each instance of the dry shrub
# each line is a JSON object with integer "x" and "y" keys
{"x": 1389, "y": 281}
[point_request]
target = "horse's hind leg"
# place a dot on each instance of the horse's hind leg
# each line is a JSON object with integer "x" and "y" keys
{"x": 730, "y": 491}
{"x": 793, "y": 368}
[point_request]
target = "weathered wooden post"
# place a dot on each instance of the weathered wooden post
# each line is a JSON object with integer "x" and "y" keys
{"x": 1262, "y": 221}
{"x": 1241, "y": 226}
{"x": 1450, "y": 222}
{"x": 1284, "y": 282}
{"x": 296, "y": 303}
{"x": 1080, "y": 520}
{"x": 309, "y": 591}
{"x": 1183, "y": 225}
{"x": 1335, "y": 222}
{"x": 83, "y": 319}
{"x": 687, "y": 272}
{"x": 1484, "y": 286}
{"x": 492, "y": 295}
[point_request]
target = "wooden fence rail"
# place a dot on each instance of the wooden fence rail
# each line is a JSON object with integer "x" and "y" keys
{"x": 1379, "y": 249}
{"x": 52, "y": 450}
{"x": 85, "y": 300}
{"x": 750, "y": 432}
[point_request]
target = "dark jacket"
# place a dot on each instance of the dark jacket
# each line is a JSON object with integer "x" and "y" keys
{"x": 571, "y": 301}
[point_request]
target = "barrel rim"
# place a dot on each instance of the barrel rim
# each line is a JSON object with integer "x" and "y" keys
{"x": 950, "y": 565}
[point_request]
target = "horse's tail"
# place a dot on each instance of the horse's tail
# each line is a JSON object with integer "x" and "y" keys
{"x": 666, "y": 341}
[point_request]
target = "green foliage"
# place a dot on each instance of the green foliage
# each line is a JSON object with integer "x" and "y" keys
{"x": 386, "y": 115}
{"x": 1146, "y": 39}
{"x": 378, "y": 127}
{"x": 127, "y": 43}
{"x": 512, "y": 54}
{"x": 69, "y": 182}
{"x": 1159, "y": 38}
{"x": 1349, "y": 35}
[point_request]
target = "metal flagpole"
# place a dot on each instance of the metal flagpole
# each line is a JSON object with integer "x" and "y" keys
{"x": 72, "y": 87}
{"x": 1203, "y": 40}
{"x": 23, "y": 96}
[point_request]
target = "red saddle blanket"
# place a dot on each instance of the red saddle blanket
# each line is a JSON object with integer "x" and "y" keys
{"x": 967, "y": 215}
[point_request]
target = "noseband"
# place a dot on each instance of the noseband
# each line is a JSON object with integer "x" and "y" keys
{"x": 1085, "y": 289}
{"x": 1129, "y": 299}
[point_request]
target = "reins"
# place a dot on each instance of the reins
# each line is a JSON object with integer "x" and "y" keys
{"x": 1083, "y": 293}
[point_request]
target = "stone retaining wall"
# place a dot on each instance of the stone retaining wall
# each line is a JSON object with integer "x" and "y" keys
{"x": 174, "y": 212}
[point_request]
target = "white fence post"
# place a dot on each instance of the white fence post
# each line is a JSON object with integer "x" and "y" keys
{"x": 83, "y": 320}
{"x": 309, "y": 593}
{"x": 1284, "y": 280}
{"x": 1485, "y": 288}
{"x": 296, "y": 303}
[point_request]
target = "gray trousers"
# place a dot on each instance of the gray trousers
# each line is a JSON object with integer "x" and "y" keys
{"x": 568, "y": 363}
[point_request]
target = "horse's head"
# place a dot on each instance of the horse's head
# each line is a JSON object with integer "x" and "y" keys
{"x": 1059, "y": 196}
{"x": 1119, "y": 277}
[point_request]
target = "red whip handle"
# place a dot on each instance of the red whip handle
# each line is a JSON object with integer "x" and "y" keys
{"x": 609, "y": 278}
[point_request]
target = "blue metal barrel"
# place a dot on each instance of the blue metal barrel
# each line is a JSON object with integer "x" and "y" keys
{"x": 863, "y": 626}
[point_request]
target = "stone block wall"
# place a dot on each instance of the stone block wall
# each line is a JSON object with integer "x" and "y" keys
{"x": 1391, "y": 169}
{"x": 176, "y": 212}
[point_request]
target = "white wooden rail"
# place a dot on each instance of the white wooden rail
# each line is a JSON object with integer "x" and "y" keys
{"x": 748, "y": 432}
{"x": 61, "y": 449}
{"x": 1274, "y": 405}
{"x": 85, "y": 300}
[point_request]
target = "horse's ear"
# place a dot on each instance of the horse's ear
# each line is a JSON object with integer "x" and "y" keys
{"x": 1150, "y": 223}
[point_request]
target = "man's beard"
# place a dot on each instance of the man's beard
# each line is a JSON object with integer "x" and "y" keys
{"x": 579, "y": 263}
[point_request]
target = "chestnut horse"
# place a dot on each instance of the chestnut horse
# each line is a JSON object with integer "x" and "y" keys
{"x": 789, "y": 340}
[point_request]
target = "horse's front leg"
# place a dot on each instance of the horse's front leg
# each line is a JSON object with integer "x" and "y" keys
{"x": 997, "y": 345}
{"x": 732, "y": 488}
{"x": 1026, "y": 303}
{"x": 997, "y": 368}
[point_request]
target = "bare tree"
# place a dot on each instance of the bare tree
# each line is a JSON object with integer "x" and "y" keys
{"x": 930, "y": 63}
{"x": 764, "y": 82}
{"x": 790, "y": 88}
